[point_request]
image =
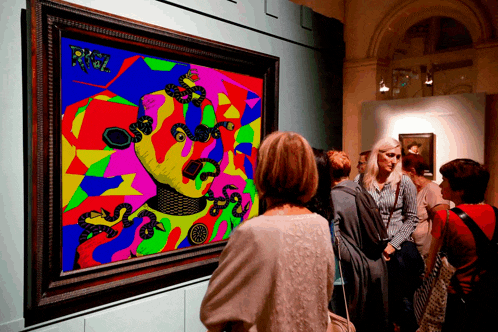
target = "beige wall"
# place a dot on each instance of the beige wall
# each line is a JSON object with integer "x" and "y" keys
{"x": 457, "y": 122}
{"x": 487, "y": 81}
{"x": 491, "y": 155}
{"x": 371, "y": 30}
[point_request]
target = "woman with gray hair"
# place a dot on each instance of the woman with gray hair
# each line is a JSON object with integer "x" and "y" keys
{"x": 396, "y": 198}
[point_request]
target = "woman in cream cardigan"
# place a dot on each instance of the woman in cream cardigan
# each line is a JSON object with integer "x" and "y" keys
{"x": 276, "y": 272}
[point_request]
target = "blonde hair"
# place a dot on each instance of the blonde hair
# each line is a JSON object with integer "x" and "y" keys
{"x": 372, "y": 169}
{"x": 286, "y": 171}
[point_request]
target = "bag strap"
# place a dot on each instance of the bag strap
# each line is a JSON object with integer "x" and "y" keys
{"x": 480, "y": 238}
{"x": 442, "y": 249}
{"x": 394, "y": 206}
{"x": 342, "y": 278}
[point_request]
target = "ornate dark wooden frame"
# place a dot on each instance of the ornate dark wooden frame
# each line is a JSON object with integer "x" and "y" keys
{"x": 432, "y": 143}
{"x": 49, "y": 292}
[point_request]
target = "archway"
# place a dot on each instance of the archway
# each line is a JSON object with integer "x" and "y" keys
{"x": 393, "y": 26}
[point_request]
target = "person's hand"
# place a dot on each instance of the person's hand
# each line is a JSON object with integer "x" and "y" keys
{"x": 388, "y": 251}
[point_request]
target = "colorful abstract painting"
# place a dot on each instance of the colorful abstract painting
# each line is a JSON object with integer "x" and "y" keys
{"x": 157, "y": 155}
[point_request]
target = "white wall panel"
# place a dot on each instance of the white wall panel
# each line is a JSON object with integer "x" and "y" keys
{"x": 193, "y": 298}
{"x": 456, "y": 120}
{"x": 72, "y": 325}
{"x": 163, "y": 312}
{"x": 11, "y": 166}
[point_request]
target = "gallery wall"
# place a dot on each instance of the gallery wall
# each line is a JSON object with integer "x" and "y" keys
{"x": 457, "y": 122}
{"x": 310, "y": 49}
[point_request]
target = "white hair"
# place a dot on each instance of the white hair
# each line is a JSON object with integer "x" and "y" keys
{"x": 372, "y": 169}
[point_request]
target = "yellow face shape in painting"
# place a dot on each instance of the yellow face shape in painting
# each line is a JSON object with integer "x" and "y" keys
{"x": 183, "y": 149}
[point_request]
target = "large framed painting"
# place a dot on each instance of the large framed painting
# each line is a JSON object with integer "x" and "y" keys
{"x": 422, "y": 144}
{"x": 141, "y": 155}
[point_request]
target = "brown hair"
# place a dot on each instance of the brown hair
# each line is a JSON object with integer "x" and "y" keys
{"x": 416, "y": 161}
{"x": 321, "y": 202}
{"x": 340, "y": 164}
{"x": 286, "y": 171}
{"x": 469, "y": 176}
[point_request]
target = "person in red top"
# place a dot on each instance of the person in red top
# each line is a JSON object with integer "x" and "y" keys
{"x": 464, "y": 182}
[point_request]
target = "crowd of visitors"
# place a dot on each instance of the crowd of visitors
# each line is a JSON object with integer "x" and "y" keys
{"x": 327, "y": 245}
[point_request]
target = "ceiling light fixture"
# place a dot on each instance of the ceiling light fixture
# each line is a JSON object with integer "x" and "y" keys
{"x": 428, "y": 78}
{"x": 382, "y": 86}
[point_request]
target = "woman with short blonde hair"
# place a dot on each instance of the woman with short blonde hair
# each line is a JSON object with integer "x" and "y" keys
{"x": 276, "y": 272}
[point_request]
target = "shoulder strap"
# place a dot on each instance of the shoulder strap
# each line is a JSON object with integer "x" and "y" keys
{"x": 479, "y": 236}
{"x": 495, "y": 234}
{"x": 395, "y": 202}
{"x": 360, "y": 180}
{"x": 442, "y": 248}
{"x": 342, "y": 278}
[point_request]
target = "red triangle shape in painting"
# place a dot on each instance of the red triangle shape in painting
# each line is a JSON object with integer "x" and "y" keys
{"x": 222, "y": 109}
{"x": 238, "y": 160}
{"x": 77, "y": 167}
{"x": 236, "y": 95}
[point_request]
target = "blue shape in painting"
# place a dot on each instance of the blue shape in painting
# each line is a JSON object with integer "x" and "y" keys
{"x": 251, "y": 114}
{"x": 193, "y": 117}
{"x": 245, "y": 148}
{"x": 184, "y": 243}
{"x": 96, "y": 186}
{"x": 251, "y": 95}
{"x": 141, "y": 109}
{"x": 217, "y": 153}
{"x": 103, "y": 253}
{"x": 248, "y": 168}
{"x": 70, "y": 241}
{"x": 77, "y": 85}
{"x": 154, "y": 80}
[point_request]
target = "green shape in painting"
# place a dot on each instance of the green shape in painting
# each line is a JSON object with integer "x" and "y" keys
{"x": 232, "y": 222}
{"x": 208, "y": 167}
{"x": 156, "y": 243}
{"x": 245, "y": 134}
{"x": 185, "y": 109}
{"x": 215, "y": 229}
{"x": 121, "y": 100}
{"x": 250, "y": 189}
{"x": 83, "y": 108}
{"x": 208, "y": 117}
{"x": 161, "y": 65}
{"x": 98, "y": 169}
{"x": 78, "y": 198}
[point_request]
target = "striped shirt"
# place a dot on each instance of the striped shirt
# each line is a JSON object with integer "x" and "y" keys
{"x": 404, "y": 218}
